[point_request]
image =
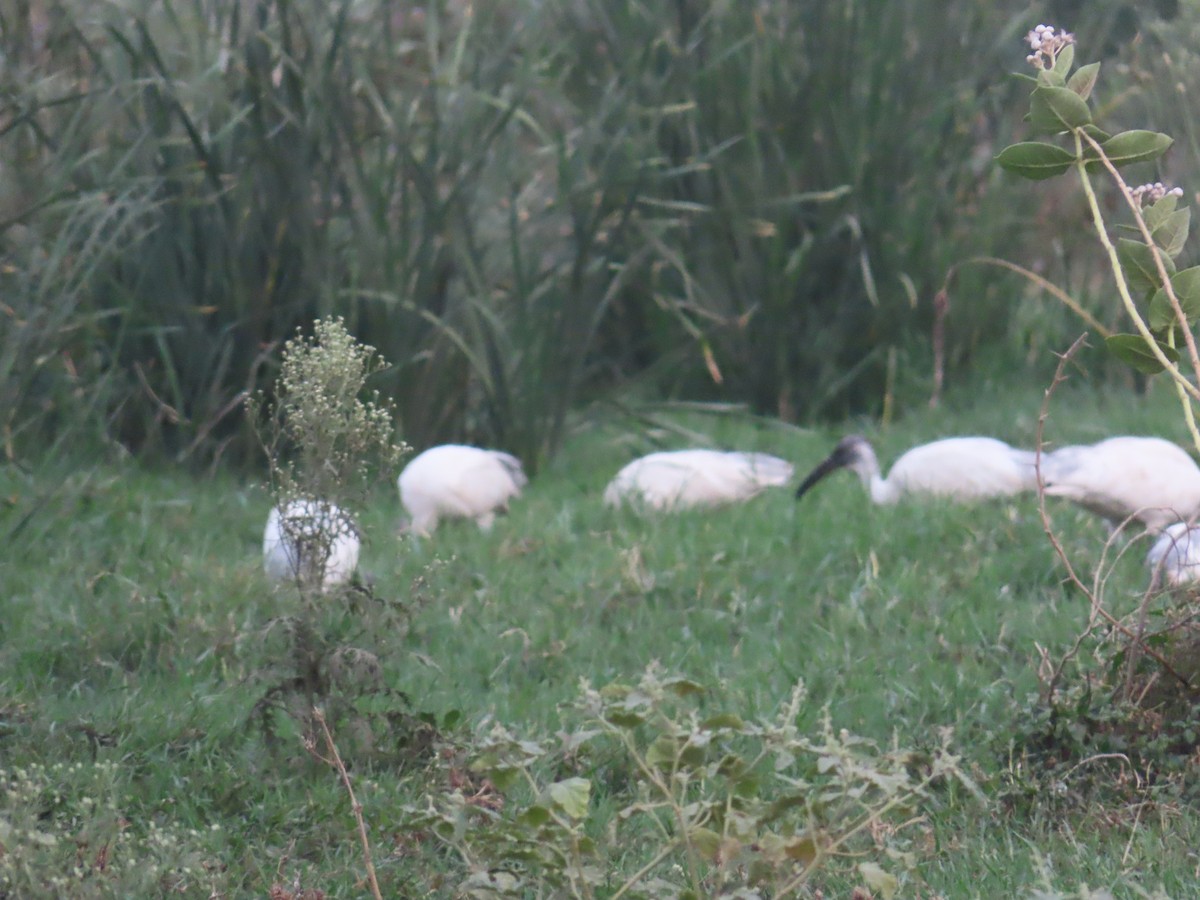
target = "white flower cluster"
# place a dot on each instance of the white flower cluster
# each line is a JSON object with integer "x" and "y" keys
{"x": 1151, "y": 193}
{"x": 1046, "y": 43}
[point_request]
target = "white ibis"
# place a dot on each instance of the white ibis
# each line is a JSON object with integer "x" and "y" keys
{"x": 961, "y": 468}
{"x": 310, "y": 543}
{"x": 454, "y": 481}
{"x": 1148, "y": 479}
{"x": 1175, "y": 557}
{"x": 681, "y": 479}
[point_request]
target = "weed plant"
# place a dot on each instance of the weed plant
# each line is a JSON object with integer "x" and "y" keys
{"x": 326, "y": 447}
{"x": 1125, "y": 689}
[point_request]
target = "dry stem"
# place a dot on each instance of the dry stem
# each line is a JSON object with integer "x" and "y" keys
{"x": 941, "y": 307}
{"x": 335, "y": 759}
{"x": 1097, "y": 608}
{"x": 1045, "y": 284}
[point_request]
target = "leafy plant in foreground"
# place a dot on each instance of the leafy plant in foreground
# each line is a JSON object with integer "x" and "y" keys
{"x": 1137, "y": 702}
{"x": 715, "y": 805}
{"x": 325, "y": 445}
{"x": 64, "y": 833}
{"x": 1169, "y": 304}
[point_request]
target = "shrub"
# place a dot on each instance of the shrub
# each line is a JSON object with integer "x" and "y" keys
{"x": 705, "y": 803}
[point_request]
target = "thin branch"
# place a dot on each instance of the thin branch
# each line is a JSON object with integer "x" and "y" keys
{"x": 1050, "y": 287}
{"x": 1118, "y": 273}
{"x": 201, "y": 433}
{"x": 637, "y": 876}
{"x": 1048, "y": 527}
{"x": 680, "y": 817}
{"x": 1135, "y": 207}
{"x": 164, "y": 408}
{"x": 335, "y": 760}
{"x": 1183, "y": 386}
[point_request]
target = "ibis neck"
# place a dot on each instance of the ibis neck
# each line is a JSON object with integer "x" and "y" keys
{"x": 882, "y": 492}
{"x": 866, "y": 464}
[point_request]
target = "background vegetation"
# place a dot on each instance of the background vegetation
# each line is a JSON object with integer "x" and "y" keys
{"x": 528, "y": 206}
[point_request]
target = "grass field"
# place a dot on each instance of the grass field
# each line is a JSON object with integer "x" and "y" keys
{"x": 137, "y": 636}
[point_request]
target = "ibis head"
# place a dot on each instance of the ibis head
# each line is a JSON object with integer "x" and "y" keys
{"x": 851, "y": 452}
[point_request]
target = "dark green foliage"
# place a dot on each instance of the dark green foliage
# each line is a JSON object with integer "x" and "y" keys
{"x": 522, "y": 205}
{"x": 1133, "y": 350}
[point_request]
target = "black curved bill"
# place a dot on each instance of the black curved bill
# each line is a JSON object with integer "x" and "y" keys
{"x": 834, "y": 462}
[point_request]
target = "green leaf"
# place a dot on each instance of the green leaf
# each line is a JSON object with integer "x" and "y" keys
{"x": 784, "y": 804}
{"x": 723, "y": 720}
{"x": 1137, "y": 261}
{"x": 623, "y": 718}
{"x": 1187, "y": 290}
{"x": 1171, "y": 233}
{"x": 747, "y": 787}
{"x": 1055, "y": 109}
{"x": 1097, "y": 134}
{"x": 1084, "y": 79}
{"x": 536, "y": 816}
{"x": 626, "y": 707}
{"x": 731, "y": 765}
{"x": 1135, "y": 146}
{"x": 1156, "y": 213}
{"x": 503, "y": 776}
{"x": 496, "y": 883}
{"x": 875, "y": 877}
{"x": 576, "y": 739}
{"x": 571, "y": 796}
{"x": 707, "y": 843}
{"x": 662, "y": 753}
{"x": 1035, "y": 160}
{"x": 802, "y": 848}
{"x": 1131, "y": 349}
{"x": 1064, "y": 60}
{"x": 682, "y": 687}
{"x": 1050, "y": 78}
{"x": 615, "y": 691}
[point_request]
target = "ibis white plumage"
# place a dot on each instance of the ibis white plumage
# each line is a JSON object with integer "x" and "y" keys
{"x": 455, "y": 481}
{"x": 1148, "y": 479}
{"x": 960, "y": 468}
{"x": 310, "y": 542}
{"x": 1174, "y": 559}
{"x": 680, "y": 479}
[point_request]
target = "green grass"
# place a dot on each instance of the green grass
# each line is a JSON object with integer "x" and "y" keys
{"x": 135, "y": 634}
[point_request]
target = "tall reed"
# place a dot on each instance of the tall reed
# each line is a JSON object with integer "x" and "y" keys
{"x": 523, "y": 205}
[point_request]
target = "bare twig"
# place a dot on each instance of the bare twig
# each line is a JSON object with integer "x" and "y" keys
{"x": 165, "y": 409}
{"x": 1050, "y": 287}
{"x": 335, "y": 759}
{"x": 1097, "y": 757}
{"x": 1092, "y": 593}
{"x": 203, "y": 431}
